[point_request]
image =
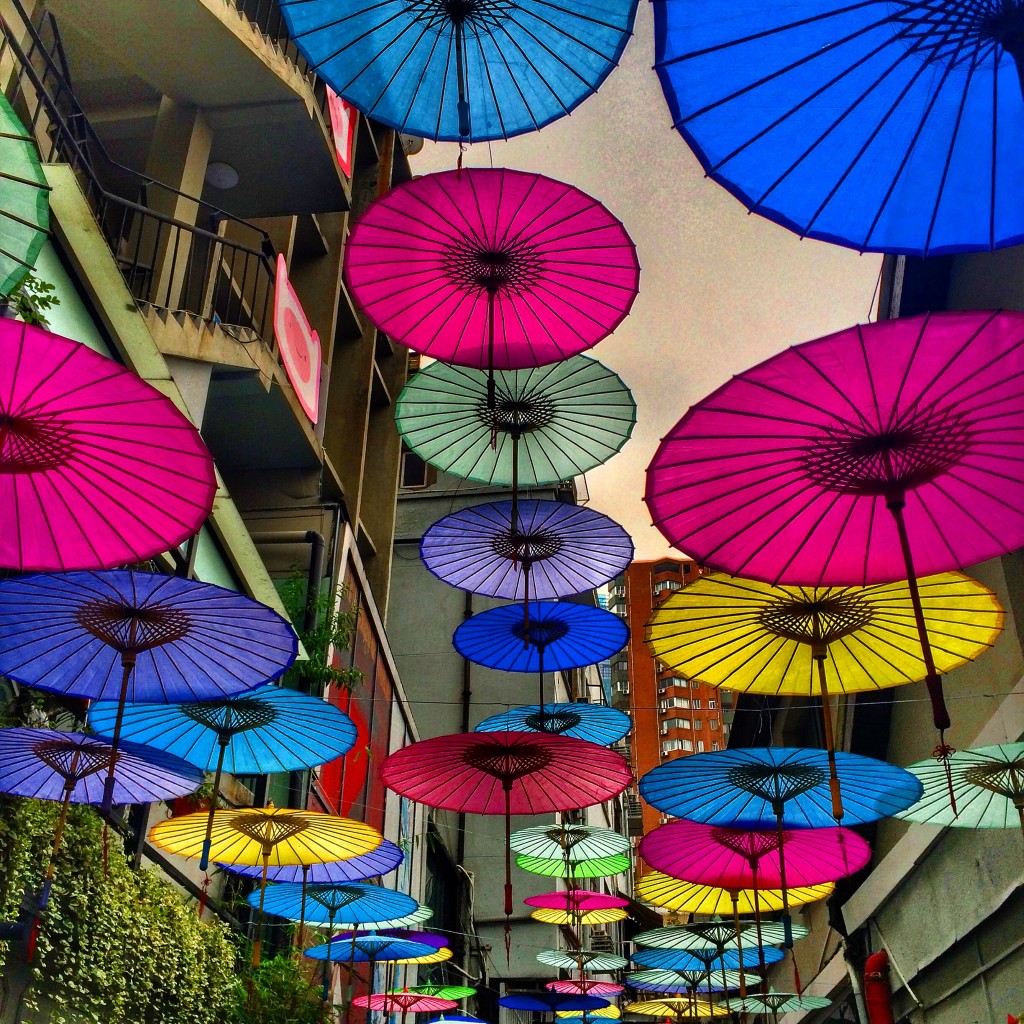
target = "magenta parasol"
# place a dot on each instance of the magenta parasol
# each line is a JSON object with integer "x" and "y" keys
{"x": 492, "y": 268}
{"x": 880, "y": 453}
{"x": 97, "y": 468}
{"x": 506, "y": 773}
{"x": 576, "y": 901}
{"x": 585, "y": 987}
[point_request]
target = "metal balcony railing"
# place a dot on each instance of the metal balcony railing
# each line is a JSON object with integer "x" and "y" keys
{"x": 167, "y": 262}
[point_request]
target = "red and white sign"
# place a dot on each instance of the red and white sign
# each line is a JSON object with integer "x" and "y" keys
{"x": 298, "y": 342}
{"x": 343, "y": 128}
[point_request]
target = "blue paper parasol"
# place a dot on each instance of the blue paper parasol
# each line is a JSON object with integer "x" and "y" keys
{"x": 594, "y": 722}
{"x": 354, "y": 948}
{"x": 378, "y": 862}
{"x": 468, "y": 71}
{"x": 551, "y": 1002}
{"x": 884, "y": 126}
{"x": 707, "y": 959}
{"x": 267, "y": 730}
{"x": 689, "y": 981}
{"x": 350, "y": 903}
{"x": 523, "y": 549}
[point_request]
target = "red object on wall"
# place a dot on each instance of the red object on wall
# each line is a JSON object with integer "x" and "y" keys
{"x": 298, "y": 342}
{"x": 877, "y": 994}
{"x": 343, "y": 127}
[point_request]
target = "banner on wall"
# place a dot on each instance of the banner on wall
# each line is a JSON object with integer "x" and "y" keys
{"x": 343, "y": 128}
{"x": 298, "y": 342}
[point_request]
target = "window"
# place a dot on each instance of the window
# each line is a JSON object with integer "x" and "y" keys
{"x": 687, "y": 569}
{"x": 700, "y": 746}
{"x": 715, "y": 745}
{"x": 673, "y": 702}
{"x": 668, "y": 746}
{"x": 696, "y": 703}
{"x": 414, "y": 471}
{"x": 712, "y": 705}
{"x": 665, "y": 567}
{"x": 663, "y": 585}
{"x": 713, "y": 722}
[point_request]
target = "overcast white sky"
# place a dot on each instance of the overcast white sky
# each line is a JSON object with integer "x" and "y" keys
{"x": 720, "y": 290}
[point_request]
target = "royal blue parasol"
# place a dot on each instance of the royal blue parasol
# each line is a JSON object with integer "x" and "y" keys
{"x": 708, "y": 959}
{"x": 378, "y": 862}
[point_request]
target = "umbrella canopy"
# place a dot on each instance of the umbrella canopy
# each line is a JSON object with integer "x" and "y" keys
{"x": 362, "y": 949}
{"x": 462, "y": 73}
{"x": 582, "y": 960}
{"x": 879, "y": 453}
{"x": 24, "y": 201}
{"x": 549, "y": 1002}
{"x": 577, "y": 900}
{"x": 548, "y": 424}
{"x": 716, "y": 934}
{"x": 688, "y": 897}
{"x": 559, "y": 867}
{"x": 554, "y": 636}
{"x": 99, "y": 468}
{"x": 578, "y": 917}
{"x": 457, "y": 1018}
{"x": 689, "y": 981}
{"x": 594, "y": 722}
{"x": 437, "y": 941}
{"x": 444, "y": 991}
{"x": 404, "y": 1002}
{"x": 374, "y": 864}
{"x": 585, "y": 986}
{"x": 350, "y": 903}
{"x": 604, "y": 1013}
{"x": 492, "y": 268}
{"x": 48, "y": 765}
{"x": 506, "y": 773}
{"x": 782, "y": 1002}
{"x": 522, "y": 549}
{"x": 764, "y": 786}
{"x": 709, "y": 959}
{"x": 435, "y": 956}
{"x": 744, "y": 858}
{"x": 573, "y": 842}
{"x": 987, "y": 785}
{"x": 679, "y": 1009}
{"x": 879, "y": 126}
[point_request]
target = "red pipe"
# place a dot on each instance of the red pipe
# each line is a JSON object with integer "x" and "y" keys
{"x": 877, "y": 994}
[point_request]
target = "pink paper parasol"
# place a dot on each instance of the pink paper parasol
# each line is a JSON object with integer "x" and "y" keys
{"x": 586, "y": 987}
{"x": 880, "y": 453}
{"x": 405, "y": 1002}
{"x": 576, "y": 901}
{"x": 492, "y": 268}
{"x": 97, "y": 468}
{"x": 506, "y": 773}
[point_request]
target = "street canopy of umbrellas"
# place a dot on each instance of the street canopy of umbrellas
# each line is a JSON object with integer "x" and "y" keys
{"x": 833, "y": 494}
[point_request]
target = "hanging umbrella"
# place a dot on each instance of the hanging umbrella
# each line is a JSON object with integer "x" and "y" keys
{"x": 353, "y": 948}
{"x": 374, "y": 864}
{"x": 522, "y": 549}
{"x": 774, "y": 1003}
{"x": 784, "y": 786}
{"x": 707, "y": 958}
{"x": 582, "y": 960}
{"x": 594, "y": 722}
{"x": 548, "y": 424}
{"x": 24, "y": 201}
{"x": 677, "y": 1009}
{"x": 690, "y": 981}
{"x": 444, "y": 991}
{"x": 883, "y": 127}
{"x": 604, "y": 1013}
{"x": 269, "y": 729}
{"x": 577, "y": 917}
{"x": 68, "y": 766}
{"x": 349, "y": 903}
{"x": 462, "y": 73}
{"x": 586, "y": 987}
{"x": 577, "y": 901}
{"x": 457, "y": 1018}
{"x": 987, "y": 786}
{"x": 99, "y": 468}
{"x": 559, "y": 867}
{"x": 492, "y": 268}
{"x": 679, "y": 897}
{"x": 435, "y": 956}
{"x": 506, "y": 773}
{"x": 404, "y": 1002}
{"x": 541, "y": 636}
{"x": 267, "y": 836}
{"x": 577, "y": 842}
{"x": 137, "y": 636}
{"x": 550, "y": 1002}
{"x": 753, "y": 637}
{"x": 876, "y": 454}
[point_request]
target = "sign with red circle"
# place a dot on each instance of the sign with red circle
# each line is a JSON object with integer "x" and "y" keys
{"x": 343, "y": 127}
{"x": 299, "y": 344}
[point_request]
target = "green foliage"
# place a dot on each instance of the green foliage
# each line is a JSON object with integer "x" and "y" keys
{"x": 33, "y": 299}
{"x": 333, "y": 630}
{"x": 114, "y": 945}
{"x": 282, "y": 990}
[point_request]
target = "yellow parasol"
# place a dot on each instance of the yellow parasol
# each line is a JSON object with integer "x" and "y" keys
{"x": 268, "y": 837}
{"x": 609, "y": 1012}
{"x": 572, "y": 917}
{"x": 745, "y": 635}
{"x": 677, "y": 1008}
{"x": 438, "y": 957}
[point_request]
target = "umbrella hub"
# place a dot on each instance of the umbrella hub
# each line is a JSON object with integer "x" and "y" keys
{"x": 459, "y": 12}
{"x": 540, "y": 632}
{"x": 229, "y": 717}
{"x": 952, "y": 33}
{"x": 1004, "y": 778}
{"x": 517, "y": 415}
{"x": 556, "y": 722}
{"x": 33, "y": 445}
{"x": 268, "y": 829}
{"x": 776, "y": 783}
{"x": 849, "y": 459}
{"x": 817, "y": 616}
{"x": 74, "y": 760}
{"x": 751, "y": 844}
{"x": 508, "y": 763}
{"x": 514, "y": 268}
{"x": 717, "y": 933}
{"x": 531, "y": 546}
{"x": 334, "y": 897}
{"x": 568, "y": 838}
{"x": 131, "y": 629}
